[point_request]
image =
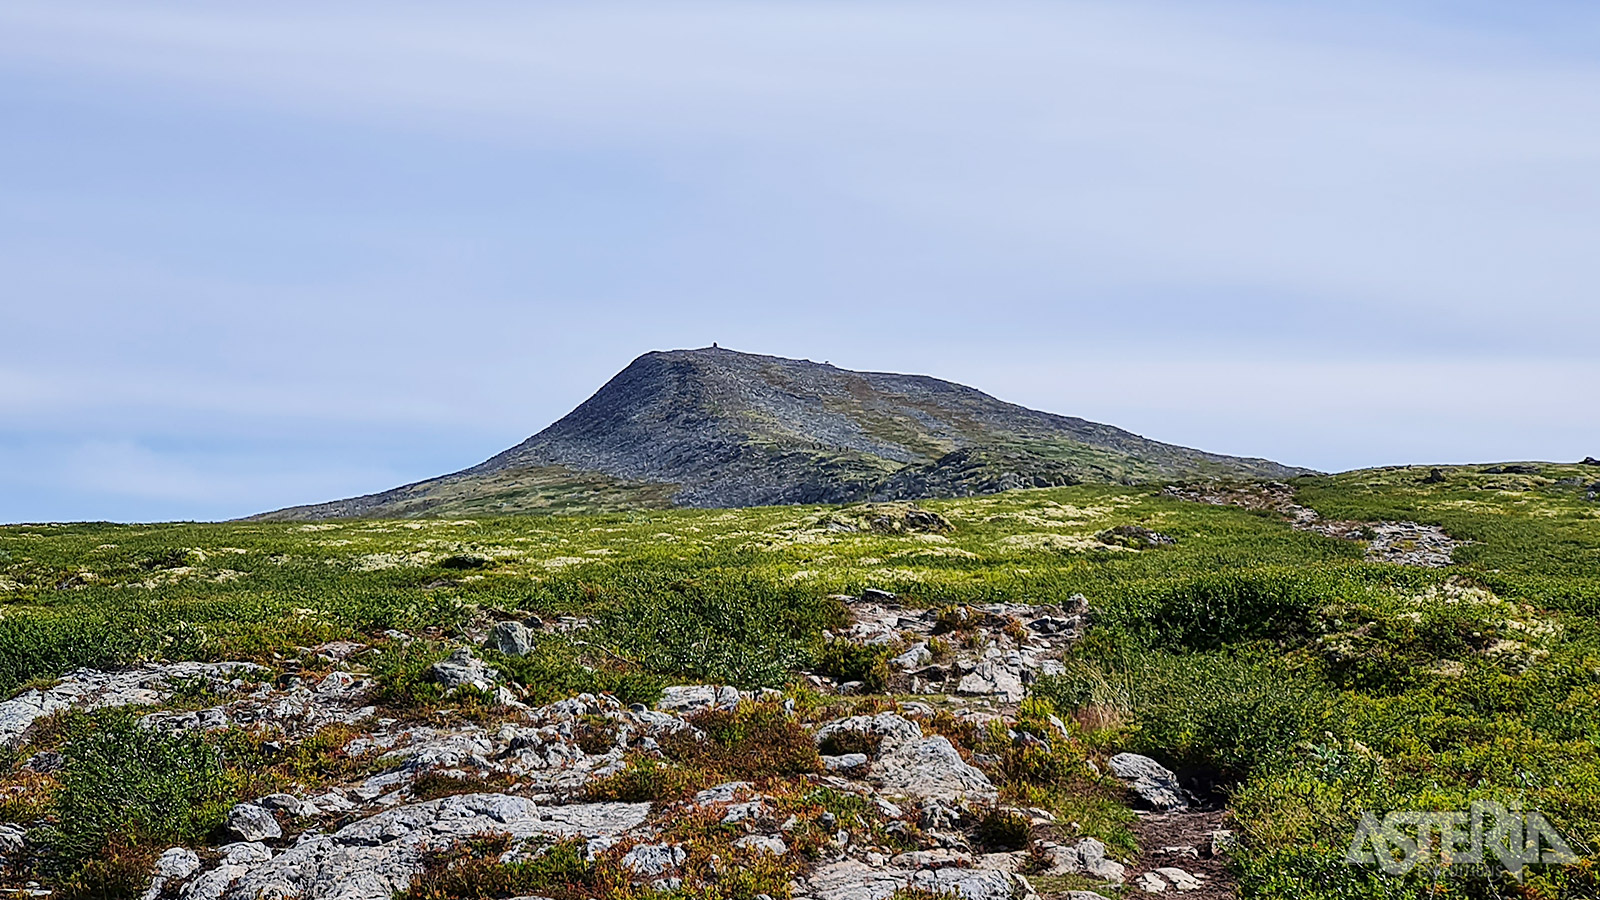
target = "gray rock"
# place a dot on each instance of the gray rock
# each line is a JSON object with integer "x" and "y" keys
{"x": 1160, "y": 880}
{"x": 684, "y": 698}
{"x": 1083, "y": 895}
{"x": 177, "y": 862}
{"x": 13, "y": 839}
{"x": 462, "y": 669}
{"x": 290, "y": 804}
{"x": 89, "y": 689}
{"x": 651, "y": 860}
{"x": 1179, "y": 879}
{"x": 942, "y": 858}
{"x": 512, "y": 639}
{"x": 244, "y": 853}
{"x": 849, "y": 762}
{"x": 930, "y": 767}
{"x": 1087, "y": 857}
{"x": 1154, "y": 784}
{"x": 892, "y": 731}
{"x": 916, "y": 656}
{"x": 377, "y": 856}
{"x": 853, "y": 880}
{"x": 253, "y": 823}
{"x": 761, "y": 843}
{"x": 994, "y": 678}
{"x": 1222, "y": 842}
{"x": 723, "y": 793}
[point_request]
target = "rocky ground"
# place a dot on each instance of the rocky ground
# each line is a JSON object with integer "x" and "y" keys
{"x": 1402, "y": 543}
{"x": 902, "y": 805}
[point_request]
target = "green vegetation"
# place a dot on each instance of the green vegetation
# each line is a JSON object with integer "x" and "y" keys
{"x": 1303, "y": 682}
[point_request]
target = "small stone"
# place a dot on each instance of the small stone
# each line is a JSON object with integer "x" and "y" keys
{"x": 13, "y": 839}
{"x": 687, "y": 698}
{"x": 916, "y": 655}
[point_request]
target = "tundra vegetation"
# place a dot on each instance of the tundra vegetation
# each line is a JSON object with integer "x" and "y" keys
{"x": 1287, "y": 677}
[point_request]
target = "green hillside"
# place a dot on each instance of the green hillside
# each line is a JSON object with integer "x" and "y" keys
{"x": 1300, "y": 680}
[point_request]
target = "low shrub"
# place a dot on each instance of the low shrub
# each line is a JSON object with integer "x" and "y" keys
{"x": 1001, "y": 830}
{"x": 753, "y": 740}
{"x": 142, "y": 786}
{"x": 846, "y": 661}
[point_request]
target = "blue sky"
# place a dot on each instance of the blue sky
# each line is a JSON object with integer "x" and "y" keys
{"x": 266, "y": 254}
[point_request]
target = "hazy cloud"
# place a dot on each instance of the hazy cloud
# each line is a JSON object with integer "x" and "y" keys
{"x": 262, "y": 255}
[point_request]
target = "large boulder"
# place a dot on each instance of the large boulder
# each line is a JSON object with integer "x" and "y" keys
{"x": 930, "y": 768}
{"x": 1154, "y": 783}
{"x": 885, "y": 732}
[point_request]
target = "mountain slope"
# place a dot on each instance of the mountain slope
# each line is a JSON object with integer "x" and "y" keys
{"x": 718, "y": 428}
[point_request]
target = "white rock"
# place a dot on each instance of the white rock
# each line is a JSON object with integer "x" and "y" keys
{"x": 916, "y": 656}
{"x": 994, "y": 678}
{"x": 244, "y": 853}
{"x": 462, "y": 669}
{"x": 177, "y": 862}
{"x": 890, "y": 729}
{"x": 853, "y": 880}
{"x": 377, "y": 856}
{"x": 88, "y": 689}
{"x": 1179, "y": 879}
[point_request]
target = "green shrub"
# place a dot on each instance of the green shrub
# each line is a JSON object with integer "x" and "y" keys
{"x": 846, "y": 661}
{"x": 141, "y": 785}
{"x": 1001, "y": 830}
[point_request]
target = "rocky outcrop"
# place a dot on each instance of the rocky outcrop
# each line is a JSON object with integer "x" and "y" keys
{"x": 90, "y": 689}
{"x": 907, "y": 764}
{"x": 377, "y": 856}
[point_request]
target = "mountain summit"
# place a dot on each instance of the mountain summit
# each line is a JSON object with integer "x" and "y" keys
{"x": 718, "y": 428}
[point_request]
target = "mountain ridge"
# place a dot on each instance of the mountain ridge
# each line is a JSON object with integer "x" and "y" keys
{"x": 713, "y": 427}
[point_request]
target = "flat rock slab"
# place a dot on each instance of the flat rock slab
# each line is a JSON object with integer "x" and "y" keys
{"x": 852, "y": 880}
{"x": 377, "y": 856}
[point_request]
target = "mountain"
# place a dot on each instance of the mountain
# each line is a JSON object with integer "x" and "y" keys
{"x": 718, "y": 428}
